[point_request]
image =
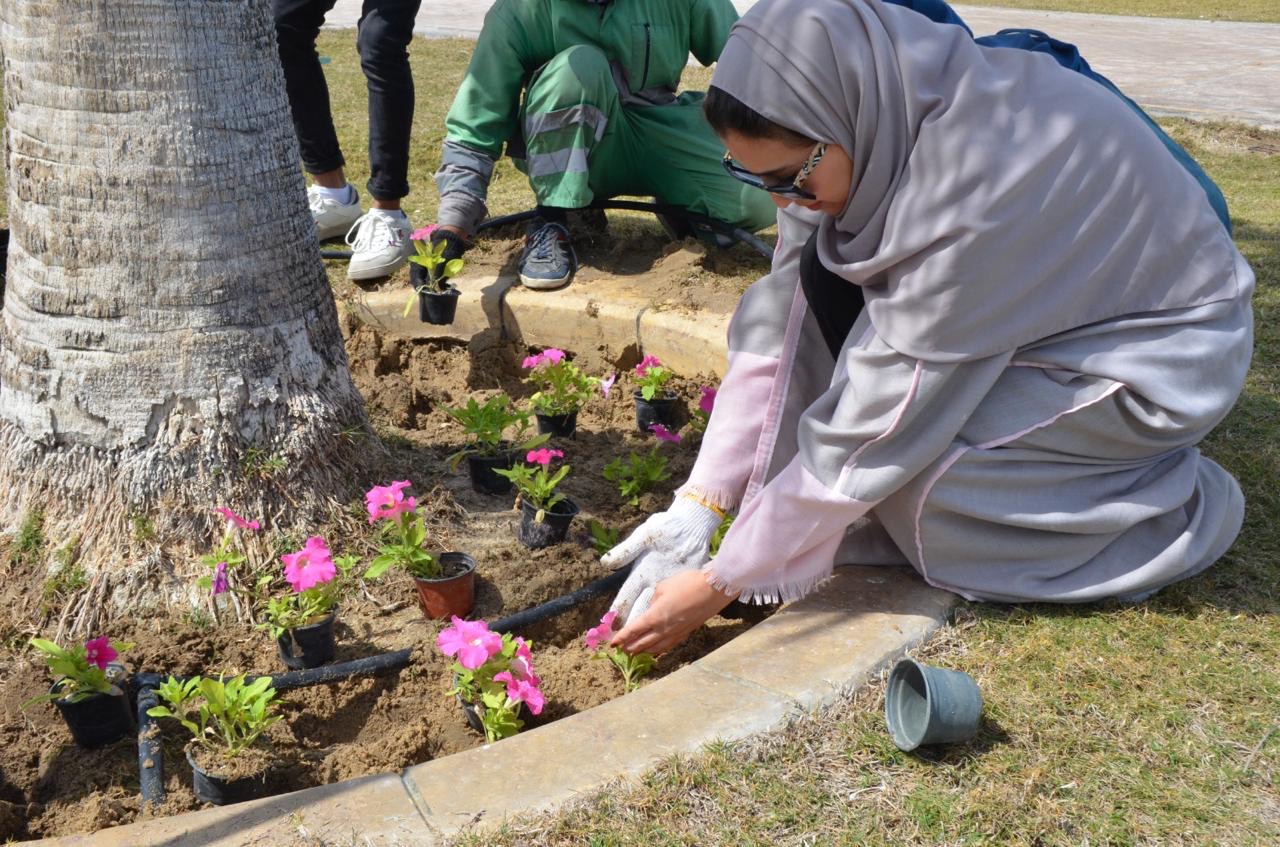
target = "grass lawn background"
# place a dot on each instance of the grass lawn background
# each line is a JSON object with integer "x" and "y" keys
{"x": 1155, "y": 724}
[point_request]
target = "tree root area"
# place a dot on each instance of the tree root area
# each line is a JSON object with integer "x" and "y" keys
{"x": 370, "y": 724}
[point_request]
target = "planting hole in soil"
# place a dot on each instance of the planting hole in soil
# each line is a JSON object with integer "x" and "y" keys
{"x": 369, "y": 724}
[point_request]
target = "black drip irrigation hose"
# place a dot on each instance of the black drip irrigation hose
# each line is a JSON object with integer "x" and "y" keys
{"x": 662, "y": 209}
{"x": 151, "y": 755}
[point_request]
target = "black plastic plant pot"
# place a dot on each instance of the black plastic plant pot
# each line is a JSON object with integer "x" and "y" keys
{"x": 558, "y": 426}
{"x": 551, "y": 529}
{"x": 659, "y": 410}
{"x": 308, "y": 646}
{"x": 438, "y": 308}
{"x": 213, "y": 789}
{"x": 927, "y": 705}
{"x": 483, "y": 478}
{"x": 99, "y": 719}
{"x": 469, "y": 710}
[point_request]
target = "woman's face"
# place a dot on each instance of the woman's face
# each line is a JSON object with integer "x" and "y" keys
{"x": 778, "y": 162}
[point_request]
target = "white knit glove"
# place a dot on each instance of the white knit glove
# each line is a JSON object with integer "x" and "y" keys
{"x": 669, "y": 542}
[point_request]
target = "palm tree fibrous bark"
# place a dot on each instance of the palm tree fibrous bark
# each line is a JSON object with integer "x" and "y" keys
{"x": 168, "y": 338}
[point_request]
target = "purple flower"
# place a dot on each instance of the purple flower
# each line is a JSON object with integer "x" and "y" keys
{"x": 607, "y": 383}
{"x": 220, "y": 585}
{"x": 665, "y": 434}
{"x": 708, "y": 399}
{"x": 99, "y": 652}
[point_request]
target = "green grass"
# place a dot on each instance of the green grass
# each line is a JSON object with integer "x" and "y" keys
{"x": 1213, "y": 10}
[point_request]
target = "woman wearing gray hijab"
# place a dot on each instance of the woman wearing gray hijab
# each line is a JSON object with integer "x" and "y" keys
{"x": 1054, "y": 318}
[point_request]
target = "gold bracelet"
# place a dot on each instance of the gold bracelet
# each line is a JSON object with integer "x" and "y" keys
{"x": 701, "y": 502}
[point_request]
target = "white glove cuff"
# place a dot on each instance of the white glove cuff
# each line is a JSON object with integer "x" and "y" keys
{"x": 693, "y": 519}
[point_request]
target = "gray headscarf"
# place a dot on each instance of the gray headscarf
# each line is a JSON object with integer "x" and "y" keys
{"x": 997, "y": 199}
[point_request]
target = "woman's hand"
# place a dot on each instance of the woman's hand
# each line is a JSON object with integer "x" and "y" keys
{"x": 680, "y": 604}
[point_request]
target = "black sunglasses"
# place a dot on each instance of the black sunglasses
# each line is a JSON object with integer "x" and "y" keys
{"x": 793, "y": 190}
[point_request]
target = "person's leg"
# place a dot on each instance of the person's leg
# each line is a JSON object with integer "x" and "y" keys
{"x": 681, "y": 165}
{"x": 386, "y": 28}
{"x": 298, "y": 24}
{"x": 335, "y": 205}
{"x": 380, "y": 239}
{"x": 574, "y": 146}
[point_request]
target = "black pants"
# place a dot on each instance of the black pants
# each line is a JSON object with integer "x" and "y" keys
{"x": 835, "y": 302}
{"x": 385, "y": 29}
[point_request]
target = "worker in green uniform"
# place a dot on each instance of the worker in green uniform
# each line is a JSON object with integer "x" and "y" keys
{"x": 599, "y": 117}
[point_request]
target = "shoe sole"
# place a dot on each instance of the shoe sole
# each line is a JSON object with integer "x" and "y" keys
{"x": 544, "y": 284}
{"x": 375, "y": 271}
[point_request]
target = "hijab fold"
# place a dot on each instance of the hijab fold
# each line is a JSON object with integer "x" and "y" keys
{"x": 998, "y": 198}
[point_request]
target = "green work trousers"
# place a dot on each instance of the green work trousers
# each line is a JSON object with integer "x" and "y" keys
{"x": 582, "y": 143}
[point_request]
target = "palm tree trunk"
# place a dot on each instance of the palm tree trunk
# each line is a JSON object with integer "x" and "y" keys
{"x": 168, "y": 338}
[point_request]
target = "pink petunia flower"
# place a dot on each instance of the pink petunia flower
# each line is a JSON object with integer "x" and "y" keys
{"x": 424, "y": 234}
{"x": 553, "y": 356}
{"x": 237, "y": 521}
{"x": 522, "y": 691}
{"x": 607, "y": 383}
{"x": 543, "y": 456}
{"x": 388, "y": 501}
{"x": 310, "y": 566}
{"x": 99, "y": 652}
{"x": 601, "y": 633}
{"x": 708, "y": 399}
{"x": 646, "y": 363}
{"x": 665, "y": 434}
{"x": 220, "y": 585}
{"x": 531, "y": 361}
{"x": 470, "y": 641}
{"x": 522, "y": 663}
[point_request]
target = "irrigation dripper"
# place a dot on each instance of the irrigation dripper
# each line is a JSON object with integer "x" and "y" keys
{"x": 151, "y": 754}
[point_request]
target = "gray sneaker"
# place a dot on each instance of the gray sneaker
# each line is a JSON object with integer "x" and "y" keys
{"x": 331, "y": 217}
{"x": 548, "y": 261}
{"x": 380, "y": 245}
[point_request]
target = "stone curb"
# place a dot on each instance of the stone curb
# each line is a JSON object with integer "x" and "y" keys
{"x": 807, "y": 655}
{"x": 602, "y": 321}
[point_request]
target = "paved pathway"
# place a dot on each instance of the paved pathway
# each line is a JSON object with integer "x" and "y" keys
{"x": 1202, "y": 69}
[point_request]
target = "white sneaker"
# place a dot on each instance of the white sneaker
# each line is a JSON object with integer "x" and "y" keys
{"x": 331, "y": 217}
{"x": 379, "y": 244}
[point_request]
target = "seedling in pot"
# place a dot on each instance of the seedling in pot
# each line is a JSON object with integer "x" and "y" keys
{"x": 404, "y": 533}
{"x": 226, "y": 718}
{"x": 653, "y": 405}
{"x": 493, "y": 675}
{"x": 652, "y": 376}
{"x": 486, "y": 425}
{"x": 632, "y": 667}
{"x": 85, "y": 692}
{"x": 438, "y": 269}
{"x": 545, "y": 512}
{"x": 562, "y": 390}
{"x": 302, "y": 620}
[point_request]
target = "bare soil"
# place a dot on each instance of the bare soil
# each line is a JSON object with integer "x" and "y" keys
{"x": 368, "y": 724}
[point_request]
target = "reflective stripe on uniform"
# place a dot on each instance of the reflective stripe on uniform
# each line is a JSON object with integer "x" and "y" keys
{"x": 583, "y": 114}
{"x": 567, "y": 161}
